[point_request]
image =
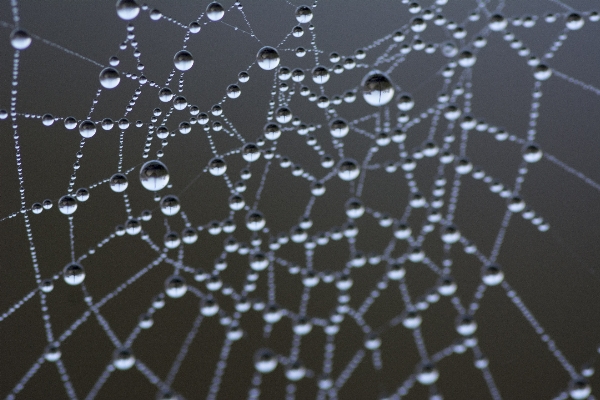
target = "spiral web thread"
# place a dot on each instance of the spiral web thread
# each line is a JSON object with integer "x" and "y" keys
{"x": 449, "y": 114}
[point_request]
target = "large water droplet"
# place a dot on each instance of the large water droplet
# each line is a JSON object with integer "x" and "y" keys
{"x": 338, "y": 128}
{"x": 109, "y": 78}
{"x": 127, "y": 9}
{"x": 175, "y": 286}
{"x": 304, "y": 14}
{"x": 73, "y": 274}
{"x": 532, "y": 153}
{"x": 377, "y": 88}
{"x": 169, "y": 205}
{"x": 20, "y": 39}
{"x": 267, "y": 58}
{"x": 154, "y": 175}
{"x": 67, "y": 205}
{"x": 123, "y": 359}
{"x": 183, "y": 60}
{"x": 215, "y": 11}
{"x": 87, "y": 128}
{"x": 265, "y": 361}
{"x": 348, "y": 169}
{"x": 217, "y": 166}
{"x": 118, "y": 183}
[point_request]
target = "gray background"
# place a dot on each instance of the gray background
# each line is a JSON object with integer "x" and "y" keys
{"x": 555, "y": 273}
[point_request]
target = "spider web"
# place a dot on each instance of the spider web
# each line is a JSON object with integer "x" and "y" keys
{"x": 310, "y": 241}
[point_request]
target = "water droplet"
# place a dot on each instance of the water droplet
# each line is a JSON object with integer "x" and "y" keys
{"x": 47, "y": 119}
{"x": 165, "y": 94}
{"x": 154, "y": 175}
{"x": 304, "y": 14}
{"x": 250, "y": 153}
{"x": 217, "y": 166}
{"x": 377, "y": 88}
{"x": 170, "y": 205}
{"x": 297, "y": 31}
{"x": 497, "y": 22}
{"x": 320, "y": 74}
{"x": 449, "y": 49}
{"x": 532, "y": 153}
{"x": 52, "y": 352}
{"x": 267, "y": 58}
{"x": 127, "y": 9}
{"x": 579, "y": 389}
{"x": 215, "y": 11}
{"x": 118, "y": 183}
{"x": 73, "y": 274}
{"x": 183, "y": 60}
{"x": 194, "y": 27}
{"x": 396, "y": 271}
{"x": 466, "y": 325}
{"x": 87, "y": 128}
{"x": 209, "y": 306}
{"x": 272, "y": 131}
{"x": 175, "y": 286}
{"x": 542, "y": 72}
{"x": 418, "y": 24}
{"x": 295, "y": 371}
{"x": 172, "y": 240}
{"x": 339, "y": 128}
{"x": 145, "y": 321}
{"x": 348, "y": 169}
{"x": 265, "y": 361}
{"x": 109, "y": 78}
{"x": 466, "y": 59}
{"x": 574, "y": 21}
{"x": 233, "y": 91}
{"x": 82, "y": 194}
{"x": 107, "y": 124}
{"x": 67, "y": 205}
{"x": 20, "y": 39}
{"x": 283, "y": 115}
{"x": 123, "y": 359}
{"x": 492, "y": 275}
{"x": 427, "y": 374}
{"x": 255, "y": 221}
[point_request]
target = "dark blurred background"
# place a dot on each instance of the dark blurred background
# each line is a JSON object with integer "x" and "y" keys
{"x": 555, "y": 273}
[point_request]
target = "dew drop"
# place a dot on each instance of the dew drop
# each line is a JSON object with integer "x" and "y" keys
{"x": 304, "y": 14}
{"x": 215, "y": 11}
{"x": 118, "y": 183}
{"x": 217, "y": 166}
{"x": 267, "y": 58}
{"x": 339, "y": 128}
{"x": 87, "y": 128}
{"x": 73, "y": 274}
{"x": 82, "y": 194}
{"x": 154, "y": 175}
{"x": 492, "y": 275}
{"x": 109, "y": 78}
{"x": 175, "y": 286}
{"x": 170, "y": 205}
{"x": 123, "y": 359}
{"x": 532, "y": 153}
{"x": 127, "y": 9}
{"x": 250, "y": 152}
{"x": 348, "y": 169}
{"x": 377, "y": 88}
{"x": 542, "y": 72}
{"x": 20, "y": 39}
{"x": 66, "y": 205}
{"x": 265, "y": 361}
{"x": 183, "y": 60}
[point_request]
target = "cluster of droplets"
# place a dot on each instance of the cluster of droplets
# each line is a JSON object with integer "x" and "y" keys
{"x": 378, "y": 90}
